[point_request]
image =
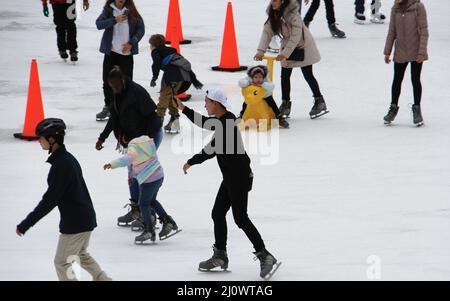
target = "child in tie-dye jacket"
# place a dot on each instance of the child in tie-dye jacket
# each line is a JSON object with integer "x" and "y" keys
{"x": 147, "y": 170}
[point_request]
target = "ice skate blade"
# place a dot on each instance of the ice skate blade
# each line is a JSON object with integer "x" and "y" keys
{"x": 170, "y": 234}
{"x": 338, "y": 37}
{"x": 387, "y": 123}
{"x": 102, "y": 119}
{"x": 145, "y": 242}
{"x": 172, "y": 132}
{"x": 320, "y": 114}
{"x": 137, "y": 229}
{"x": 215, "y": 271}
{"x": 359, "y": 22}
{"x": 268, "y": 276}
{"x": 419, "y": 124}
{"x": 377, "y": 21}
{"x": 123, "y": 224}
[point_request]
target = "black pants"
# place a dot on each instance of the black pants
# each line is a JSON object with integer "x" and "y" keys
{"x": 126, "y": 64}
{"x": 307, "y": 74}
{"x": 66, "y": 30}
{"x": 236, "y": 198}
{"x": 270, "y": 101}
{"x": 399, "y": 74}
{"x": 329, "y": 6}
{"x": 359, "y": 6}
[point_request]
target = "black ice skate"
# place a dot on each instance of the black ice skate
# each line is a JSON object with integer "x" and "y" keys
{"x": 336, "y": 32}
{"x": 138, "y": 224}
{"x": 103, "y": 115}
{"x": 148, "y": 235}
{"x": 173, "y": 126}
{"x": 219, "y": 259}
{"x": 417, "y": 115}
{"x": 268, "y": 264}
{"x": 133, "y": 214}
{"x": 74, "y": 56}
{"x": 282, "y": 122}
{"x": 360, "y": 18}
{"x": 169, "y": 228}
{"x": 319, "y": 108}
{"x": 285, "y": 109}
{"x": 63, "y": 54}
{"x": 392, "y": 113}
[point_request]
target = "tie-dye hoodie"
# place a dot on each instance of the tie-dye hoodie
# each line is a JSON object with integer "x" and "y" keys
{"x": 141, "y": 155}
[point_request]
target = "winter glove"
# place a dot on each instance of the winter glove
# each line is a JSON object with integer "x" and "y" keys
{"x": 45, "y": 10}
{"x": 153, "y": 83}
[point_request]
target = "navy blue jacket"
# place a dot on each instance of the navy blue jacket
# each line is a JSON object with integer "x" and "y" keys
{"x": 107, "y": 21}
{"x": 68, "y": 191}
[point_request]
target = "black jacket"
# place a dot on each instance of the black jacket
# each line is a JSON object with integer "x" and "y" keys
{"x": 171, "y": 73}
{"x": 226, "y": 145}
{"x": 68, "y": 191}
{"x": 133, "y": 114}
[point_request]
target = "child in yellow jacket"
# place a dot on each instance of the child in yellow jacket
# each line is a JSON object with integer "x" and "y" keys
{"x": 259, "y": 108}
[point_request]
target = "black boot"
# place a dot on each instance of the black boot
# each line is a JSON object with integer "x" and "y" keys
{"x": 392, "y": 113}
{"x": 219, "y": 259}
{"x": 267, "y": 261}
{"x": 133, "y": 214}
{"x": 417, "y": 115}
{"x": 282, "y": 122}
{"x": 319, "y": 108}
{"x": 285, "y": 108}
{"x": 168, "y": 225}
{"x": 63, "y": 54}
{"x": 74, "y": 56}
{"x": 147, "y": 234}
{"x": 336, "y": 32}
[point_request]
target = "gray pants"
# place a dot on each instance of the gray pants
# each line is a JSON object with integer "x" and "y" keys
{"x": 73, "y": 248}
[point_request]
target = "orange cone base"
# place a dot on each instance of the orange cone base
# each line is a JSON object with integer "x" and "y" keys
{"x": 184, "y": 97}
{"x": 28, "y": 138}
{"x": 181, "y": 42}
{"x": 218, "y": 68}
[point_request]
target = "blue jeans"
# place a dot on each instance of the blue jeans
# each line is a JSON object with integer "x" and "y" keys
{"x": 147, "y": 200}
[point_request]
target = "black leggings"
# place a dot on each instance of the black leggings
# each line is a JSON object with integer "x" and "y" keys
{"x": 270, "y": 101}
{"x": 399, "y": 74}
{"x": 307, "y": 74}
{"x": 235, "y": 198}
{"x": 329, "y": 7}
{"x": 126, "y": 64}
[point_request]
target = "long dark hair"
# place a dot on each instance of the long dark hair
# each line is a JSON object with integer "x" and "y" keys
{"x": 133, "y": 15}
{"x": 275, "y": 16}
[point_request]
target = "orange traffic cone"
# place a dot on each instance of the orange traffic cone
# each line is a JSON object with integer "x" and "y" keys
{"x": 229, "y": 60}
{"x": 35, "y": 111}
{"x": 174, "y": 22}
{"x": 175, "y": 43}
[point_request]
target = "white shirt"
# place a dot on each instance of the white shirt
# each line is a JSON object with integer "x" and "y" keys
{"x": 121, "y": 32}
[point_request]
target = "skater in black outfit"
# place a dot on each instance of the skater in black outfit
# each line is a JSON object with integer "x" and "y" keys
{"x": 64, "y": 16}
{"x": 331, "y": 19}
{"x": 237, "y": 179}
{"x": 133, "y": 114}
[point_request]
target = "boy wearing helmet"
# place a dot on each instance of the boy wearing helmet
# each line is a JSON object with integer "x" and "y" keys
{"x": 67, "y": 191}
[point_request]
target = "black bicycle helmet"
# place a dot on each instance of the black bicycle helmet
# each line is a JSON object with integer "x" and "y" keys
{"x": 51, "y": 127}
